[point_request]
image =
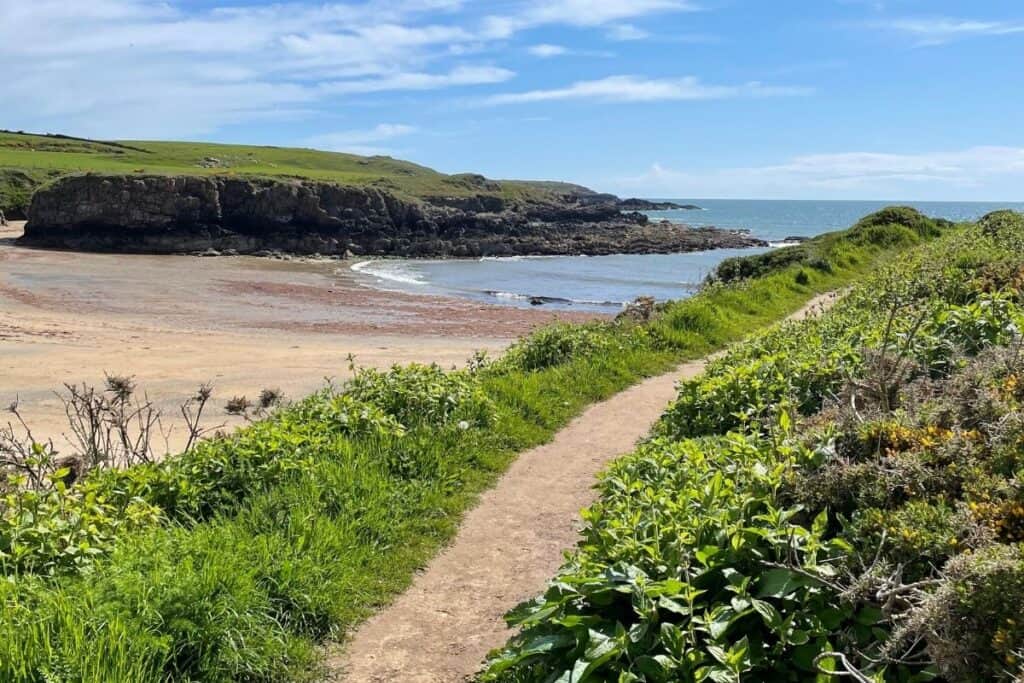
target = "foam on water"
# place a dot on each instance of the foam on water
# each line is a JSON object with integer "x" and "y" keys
{"x": 392, "y": 271}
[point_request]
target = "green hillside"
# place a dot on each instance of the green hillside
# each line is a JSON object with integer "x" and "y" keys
{"x": 27, "y": 161}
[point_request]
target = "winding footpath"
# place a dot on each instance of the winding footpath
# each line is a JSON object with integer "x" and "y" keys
{"x": 508, "y": 547}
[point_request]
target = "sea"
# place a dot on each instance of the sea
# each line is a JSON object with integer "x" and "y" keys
{"x": 607, "y": 283}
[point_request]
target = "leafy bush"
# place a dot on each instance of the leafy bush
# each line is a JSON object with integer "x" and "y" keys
{"x": 789, "y": 367}
{"x": 349, "y": 416}
{"x": 687, "y": 571}
{"x": 422, "y": 394}
{"x": 557, "y": 344}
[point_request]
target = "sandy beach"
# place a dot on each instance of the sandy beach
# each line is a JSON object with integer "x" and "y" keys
{"x": 240, "y": 323}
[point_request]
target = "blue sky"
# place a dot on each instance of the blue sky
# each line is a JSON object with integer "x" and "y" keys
{"x": 889, "y": 99}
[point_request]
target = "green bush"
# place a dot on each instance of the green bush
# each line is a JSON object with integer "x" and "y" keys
{"x": 683, "y": 574}
{"x": 973, "y": 621}
{"x": 902, "y": 216}
{"x": 557, "y": 344}
{"x": 422, "y": 395}
{"x": 743, "y": 267}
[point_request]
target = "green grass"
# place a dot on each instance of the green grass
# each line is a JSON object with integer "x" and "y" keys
{"x": 39, "y": 158}
{"x": 234, "y": 561}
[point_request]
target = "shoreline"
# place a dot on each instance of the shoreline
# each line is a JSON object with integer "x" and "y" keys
{"x": 243, "y": 323}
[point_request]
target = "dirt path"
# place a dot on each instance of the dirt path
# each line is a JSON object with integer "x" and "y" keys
{"x": 508, "y": 547}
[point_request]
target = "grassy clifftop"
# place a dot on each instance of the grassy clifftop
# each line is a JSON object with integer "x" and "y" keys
{"x": 27, "y": 161}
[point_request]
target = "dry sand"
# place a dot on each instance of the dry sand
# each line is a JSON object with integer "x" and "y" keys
{"x": 242, "y": 323}
{"x": 507, "y": 548}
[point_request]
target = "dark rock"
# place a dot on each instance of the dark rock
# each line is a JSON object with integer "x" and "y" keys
{"x": 174, "y": 214}
{"x": 640, "y": 310}
{"x": 634, "y": 204}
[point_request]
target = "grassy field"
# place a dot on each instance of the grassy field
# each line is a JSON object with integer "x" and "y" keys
{"x": 232, "y": 561}
{"x": 27, "y": 161}
{"x": 836, "y": 499}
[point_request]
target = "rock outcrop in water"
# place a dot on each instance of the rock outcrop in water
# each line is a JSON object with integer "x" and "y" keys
{"x": 634, "y": 204}
{"x": 174, "y": 214}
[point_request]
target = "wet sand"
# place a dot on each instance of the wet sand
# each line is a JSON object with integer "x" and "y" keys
{"x": 241, "y": 323}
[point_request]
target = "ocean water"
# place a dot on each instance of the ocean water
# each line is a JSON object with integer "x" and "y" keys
{"x": 606, "y": 283}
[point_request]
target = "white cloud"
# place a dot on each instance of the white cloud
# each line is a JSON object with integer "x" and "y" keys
{"x": 131, "y": 68}
{"x": 865, "y": 175}
{"x": 545, "y": 50}
{"x": 626, "y": 32}
{"x": 146, "y": 68}
{"x": 361, "y": 141}
{"x": 582, "y": 13}
{"x": 637, "y": 89}
{"x": 940, "y": 30}
{"x": 464, "y": 75}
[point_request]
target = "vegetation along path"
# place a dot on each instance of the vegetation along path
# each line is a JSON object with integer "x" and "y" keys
{"x": 442, "y": 628}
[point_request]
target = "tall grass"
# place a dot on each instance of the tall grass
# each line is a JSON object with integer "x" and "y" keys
{"x": 304, "y": 548}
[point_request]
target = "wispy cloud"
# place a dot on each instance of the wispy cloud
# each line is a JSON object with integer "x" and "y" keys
{"x": 627, "y": 32}
{"x": 929, "y": 31}
{"x": 465, "y": 75}
{"x": 548, "y": 51}
{"x": 638, "y": 89}
{"x": 545, "y": 50}
{"x": 860, "y": 174}
{"x": 583, "y": 13}
{"x": 361, "y": 141}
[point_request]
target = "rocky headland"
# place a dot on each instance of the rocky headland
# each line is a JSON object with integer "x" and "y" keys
{"x": 246, "y": 215}
{"x": 635, "y": 204}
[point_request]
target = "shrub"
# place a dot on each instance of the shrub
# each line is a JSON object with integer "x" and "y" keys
{"x": 903, "y": 216}
{"x": 973, "y": 623}
{"x": 422, "y": 395}
{"x": 744, "y": 267}
{"x": 561, "y": 343}
{"x": 687, "y": 571}
{"x": 347, "y": 415}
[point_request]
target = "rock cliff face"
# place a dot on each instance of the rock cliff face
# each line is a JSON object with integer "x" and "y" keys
{"x": 173, "y": 214}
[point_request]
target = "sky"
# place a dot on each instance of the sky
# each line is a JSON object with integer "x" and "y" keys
{"x": 803, "y": 99}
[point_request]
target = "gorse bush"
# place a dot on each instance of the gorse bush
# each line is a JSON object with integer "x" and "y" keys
{"x": 835, "y": 498}
{"x": 232, "y": 561}
{"x": 974, "y": 618}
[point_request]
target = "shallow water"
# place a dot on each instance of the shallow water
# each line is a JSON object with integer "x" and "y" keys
{"x": 605, "y": 283}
